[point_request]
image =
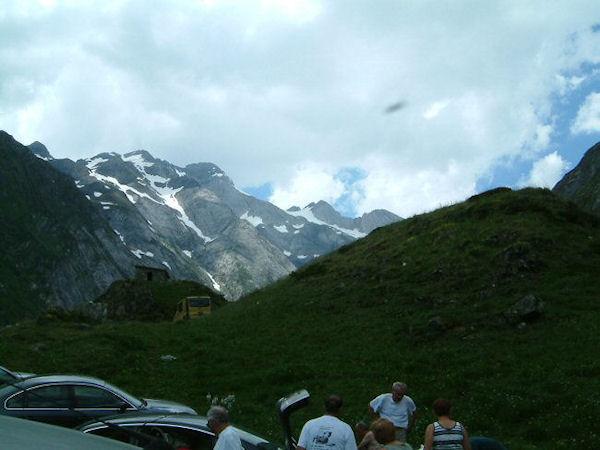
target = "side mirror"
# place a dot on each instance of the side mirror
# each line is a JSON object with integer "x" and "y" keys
{"x": 286, "y": 406}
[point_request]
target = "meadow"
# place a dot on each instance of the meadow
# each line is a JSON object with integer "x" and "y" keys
{"x": 428, "y": 301}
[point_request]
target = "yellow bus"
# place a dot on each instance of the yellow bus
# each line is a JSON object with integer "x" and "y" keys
{"x": 192, "y": 307}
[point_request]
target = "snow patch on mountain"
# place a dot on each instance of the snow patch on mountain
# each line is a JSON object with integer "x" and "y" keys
{"x": 216, "y": 285}
{"x": 139, "y": 253}
{"x": 281, "y": 228}
{"x": 167, "y": 194}
{"x": 95, "y": 162}
{"x": 254, "y": 220}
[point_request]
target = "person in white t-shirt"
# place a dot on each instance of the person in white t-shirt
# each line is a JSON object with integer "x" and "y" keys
{"x": 327, "y": 432}
{"x": 397, "y": 407}
{"x": 218, "y": 421}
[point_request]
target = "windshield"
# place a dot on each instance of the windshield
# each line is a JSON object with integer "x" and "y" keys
{"x": 138, "y": 403}
{"x": 199, "y": 302}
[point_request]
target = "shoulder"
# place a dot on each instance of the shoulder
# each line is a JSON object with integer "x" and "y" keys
{"x": 380, "y": 398}
{"x": 409, "y": 401}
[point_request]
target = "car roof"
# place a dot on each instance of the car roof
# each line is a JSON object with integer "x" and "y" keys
{"x": 24, "y": 434}
{"x": 181, "y": 420}
{"x": 38, "y": 380}
{"x": 41, "y": 379}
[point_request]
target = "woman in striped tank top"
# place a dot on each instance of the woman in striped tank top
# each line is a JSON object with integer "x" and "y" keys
{"x": 445, "y": 434}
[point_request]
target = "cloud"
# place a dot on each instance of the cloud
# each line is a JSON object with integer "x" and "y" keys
{"x": 310, "y": 183}
{"x": 435, "y": 109}
{"x": 588, "y": 116}
{"x": 547, "y": 171}
{"x": 291, "y": 93}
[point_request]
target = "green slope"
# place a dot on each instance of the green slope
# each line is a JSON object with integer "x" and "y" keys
{"x": 357, "y": 320}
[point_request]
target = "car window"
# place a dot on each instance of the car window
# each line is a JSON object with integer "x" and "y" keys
{"x": 18, "y": 401}
{"x": 180, "y": 437}
{"x": 92, "y": 397}
{"x": 116, "y": 433}
{"x": 55, "y": 396}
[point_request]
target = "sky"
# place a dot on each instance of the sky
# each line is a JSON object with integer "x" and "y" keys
{"x": 396, "y": 104}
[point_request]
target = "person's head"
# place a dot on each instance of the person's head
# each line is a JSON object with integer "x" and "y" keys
{"x": 384, "y": 431}
{"x": 217, "y": 418}
{"x": 361, "y": 429}
{"x": 333, "y": 405}
{"x": 398, "y": 391}
{"x": 441, "y": 407}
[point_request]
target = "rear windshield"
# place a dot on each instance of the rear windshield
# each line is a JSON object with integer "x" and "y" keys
{"x": 199, "y": 302}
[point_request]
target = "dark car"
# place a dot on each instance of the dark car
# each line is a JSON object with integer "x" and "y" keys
{"x": 69, "y": 400}
{"x": 189, "y": 432}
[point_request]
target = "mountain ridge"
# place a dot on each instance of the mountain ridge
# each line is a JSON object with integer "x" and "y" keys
{"x": 191, "y": 221}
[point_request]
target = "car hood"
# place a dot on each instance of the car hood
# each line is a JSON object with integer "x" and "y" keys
{"x": 165, "y": 406}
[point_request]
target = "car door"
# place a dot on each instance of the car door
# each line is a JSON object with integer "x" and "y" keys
{"x": 94, "y": 401}
{"x": 50, "y": 403}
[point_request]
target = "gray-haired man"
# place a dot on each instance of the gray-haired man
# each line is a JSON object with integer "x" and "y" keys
{"x": 397, "y": 407}
{"x": 218, "y": 421}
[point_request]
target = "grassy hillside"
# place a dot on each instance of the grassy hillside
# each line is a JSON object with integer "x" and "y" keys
{"x": 426, "y": 301}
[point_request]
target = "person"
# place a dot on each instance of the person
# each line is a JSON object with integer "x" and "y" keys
{"x": 366, "y": 436}
{"x": 328, "y": 431}
{"x": 483, "y": 443}
{"x": 445, "y": 433}
{"x": 385, "y": 433}
{"x": 397, "y": 407}
{"x": 217, "y": 418}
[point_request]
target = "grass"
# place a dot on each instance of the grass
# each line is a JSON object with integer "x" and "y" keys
{"x": 356, "y": 320}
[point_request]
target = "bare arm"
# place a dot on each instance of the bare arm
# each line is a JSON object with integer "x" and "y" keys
{"x": 366, "y": 440}
{"x": 428, "y": 437}
{"x": 466, "y": 442}
{"x": 411, "y": 421}
{"x": 372, "y": 413}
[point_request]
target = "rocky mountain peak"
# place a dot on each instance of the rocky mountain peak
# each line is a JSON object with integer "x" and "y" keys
{"x": 582, "y": 184}
{"x": 40, "y": 150}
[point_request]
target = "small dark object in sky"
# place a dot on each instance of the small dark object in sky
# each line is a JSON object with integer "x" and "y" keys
{"x": 394, "y": 107}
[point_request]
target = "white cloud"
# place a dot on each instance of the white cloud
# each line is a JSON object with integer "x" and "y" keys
{"x": 435, "y": 109}
{"x": 542, "y": 137}
{"x": 588, "y": 116}
{"x": 309, "y": 183}
{"x": 266, "y": 89}
{"x": 547, "y": 171}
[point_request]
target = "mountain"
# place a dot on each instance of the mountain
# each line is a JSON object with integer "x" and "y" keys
{"x": 582, "y": 184}
{"x": 190, "y": 221}
{"x": 323, "y": 213}
{"x": 56, "y": 245}
{"x": 196, "y": 224}
{"x": 492, "y": 303}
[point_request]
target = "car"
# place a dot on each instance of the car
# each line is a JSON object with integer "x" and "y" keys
{"x": 70, "y": 400}
{"x": 189, "y": 432}
{"x": 9, "y": 376}
{"x": 19, "y": 434}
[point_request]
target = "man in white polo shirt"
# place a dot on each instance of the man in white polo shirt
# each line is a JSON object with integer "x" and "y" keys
{"x": 397, "y": 408}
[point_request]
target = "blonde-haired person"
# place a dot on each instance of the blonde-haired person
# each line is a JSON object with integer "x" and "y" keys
{"x": 385, "y": 433}
{"x": 445, "y": 433}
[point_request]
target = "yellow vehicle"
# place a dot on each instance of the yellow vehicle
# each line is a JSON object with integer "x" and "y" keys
{"x": 192, "y": 307}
